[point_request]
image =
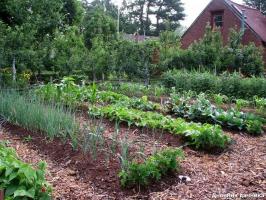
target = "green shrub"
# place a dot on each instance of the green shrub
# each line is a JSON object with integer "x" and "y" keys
{"x": 19, "y": 180}
{"x": 210, "y": 54}
{"x": 245, "y": 58}
{"x": 22, "y": 78}
{"x": 156, "y": 166}
{"x": 232, "y": 85}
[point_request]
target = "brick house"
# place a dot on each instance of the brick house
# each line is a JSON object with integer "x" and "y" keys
{"x": 226, "y": 15}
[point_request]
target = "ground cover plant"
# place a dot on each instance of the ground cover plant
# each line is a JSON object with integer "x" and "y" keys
{"x": 33, "y": 114}
{"x": 19, "y": 180}
{"x": 201, "y": 136}
{"x": 201, "y": 109}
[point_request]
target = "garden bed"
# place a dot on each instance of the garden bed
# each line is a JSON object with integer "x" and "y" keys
{"x": 74, "y": 176}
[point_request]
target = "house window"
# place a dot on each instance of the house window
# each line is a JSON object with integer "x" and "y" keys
{"x": 218, "y": 20}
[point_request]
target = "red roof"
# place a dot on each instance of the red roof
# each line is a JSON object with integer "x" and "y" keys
{"x": 254, "y": 18}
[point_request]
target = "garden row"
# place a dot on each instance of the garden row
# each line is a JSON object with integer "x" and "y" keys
{"x": 55, "y": 121}
{"x": 188, "y": 105}
{"x": 200, "y": 109}
{"x": 122, "y": 107}
{"x": 201, "y": 136}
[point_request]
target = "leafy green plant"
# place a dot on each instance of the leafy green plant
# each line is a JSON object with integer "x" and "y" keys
{"x": 19, "y": 180}
{"x": 153, "y": 169}
{"x": 254, "y": 127}
{"x": 93, "y": 98}
{"x": 260, "y": 103}
{"x": 27, "y": 139}
{"x": 155, "y": 120}
{"x": 67, "y": 92}
{"x": 220, "y": 99}
{"x": 134, "y": 89}
{"x": 240, "y": 103}
{"x": 199, "y": 108}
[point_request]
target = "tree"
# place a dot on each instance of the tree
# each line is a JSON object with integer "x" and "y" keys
{"x": 170, "y": 47}
{"x": 73, "y": 12}
{"x": 245, "y": 58}
{"x": 259, "y": 4}
{"x": 137, "y": 14}
{"x": 99, "y": 58}
{"x": 68, "y": 51}
{"x": 167, "y": 14}
{"x": 98, "y": 23}
{"x": 2, "y": 41}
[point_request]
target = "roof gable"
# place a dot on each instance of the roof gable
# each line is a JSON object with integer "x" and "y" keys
{"x": 254, "y": 18}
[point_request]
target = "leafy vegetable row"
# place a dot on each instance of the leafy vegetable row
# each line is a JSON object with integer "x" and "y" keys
{"x": 201, "y": 136}
{"x": 202, "y": 110}
{"x": 19, "y": 180}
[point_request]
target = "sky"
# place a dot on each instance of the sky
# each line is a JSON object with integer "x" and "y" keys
{"x": 192, "y": 9}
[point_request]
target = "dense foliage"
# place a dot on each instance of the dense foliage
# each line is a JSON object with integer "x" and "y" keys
{"x": 20, "y": 180}
{"x": 39, "y": 42}
{"x": 231, "y": 85}
{"x": 210, "y": 54}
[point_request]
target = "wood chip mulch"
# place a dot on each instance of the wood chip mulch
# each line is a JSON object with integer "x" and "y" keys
{"x": 239, "y": 170}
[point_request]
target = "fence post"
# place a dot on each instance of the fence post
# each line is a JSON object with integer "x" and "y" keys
{"x": 1, "y": 194}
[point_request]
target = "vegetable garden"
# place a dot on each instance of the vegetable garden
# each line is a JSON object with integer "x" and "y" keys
{"x": 77, "y": 117}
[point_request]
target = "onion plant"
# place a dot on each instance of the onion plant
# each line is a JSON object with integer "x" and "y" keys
{"x": 32, "y": 114}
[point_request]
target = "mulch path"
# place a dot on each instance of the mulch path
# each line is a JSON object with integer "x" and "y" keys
{"x": 73, "y": 175}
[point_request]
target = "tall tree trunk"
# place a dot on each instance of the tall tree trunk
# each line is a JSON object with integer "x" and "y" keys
{"x": 94, "y": 77}
{"x": 147, "y": 17}
{"x": 158, "y": 18}
{"x": 147, "y": 74}
{"x": 14, "y": 71}
{"x": 141, "y": 18}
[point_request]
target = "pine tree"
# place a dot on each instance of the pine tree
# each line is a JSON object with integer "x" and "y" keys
{"x": 259, "y": 4}
{"x": 168, "y": 14}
